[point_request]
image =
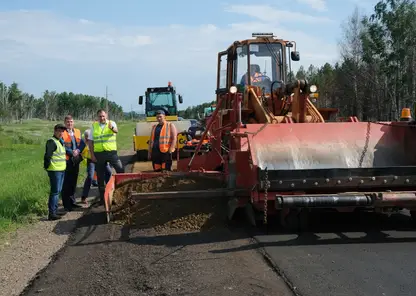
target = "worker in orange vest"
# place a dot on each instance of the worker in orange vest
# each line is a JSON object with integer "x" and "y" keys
{"x": 255, "y": 75}
{"x": 73, "y": 146}
{"x": 162, "y": 143}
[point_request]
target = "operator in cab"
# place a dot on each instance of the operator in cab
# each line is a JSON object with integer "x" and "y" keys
{"x": 162, "y": 143}
{"x": 255, "y": 75}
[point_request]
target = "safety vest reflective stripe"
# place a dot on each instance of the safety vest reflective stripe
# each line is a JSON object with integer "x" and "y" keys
{"x": 104, "y": 138}
{"x": 58, "y": 160}
{"x": 164, "y": 137}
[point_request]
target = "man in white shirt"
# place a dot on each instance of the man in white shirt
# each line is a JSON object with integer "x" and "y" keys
{"x": 103, "y": 148}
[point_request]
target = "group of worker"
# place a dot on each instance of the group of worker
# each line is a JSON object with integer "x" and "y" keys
{"x": 65, "y": 150}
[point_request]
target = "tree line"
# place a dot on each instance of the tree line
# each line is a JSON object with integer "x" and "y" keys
{"x": 17, "y": 105}
{"x": 194, "y": 111}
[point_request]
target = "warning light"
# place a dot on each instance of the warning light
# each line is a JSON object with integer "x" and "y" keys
{"x": 405, "y": 116}
{"x": 169, "y": 83}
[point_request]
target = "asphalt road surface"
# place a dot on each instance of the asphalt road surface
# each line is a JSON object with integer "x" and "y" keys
{"x": 347, "y": 254}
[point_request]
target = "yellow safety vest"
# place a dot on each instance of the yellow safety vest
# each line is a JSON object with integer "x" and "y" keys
{"x": 58, "y": 159}
{"x": 86, "y": 153}
{"x": 104, "y": 139}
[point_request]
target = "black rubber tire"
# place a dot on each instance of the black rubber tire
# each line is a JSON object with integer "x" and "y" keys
{"x": 141, "y": 155}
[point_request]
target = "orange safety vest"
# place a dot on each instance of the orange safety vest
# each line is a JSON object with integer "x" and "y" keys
{"x": 68, "y": 140}
{"x": 164, "y": 138}
{"x": 256, "y": 78}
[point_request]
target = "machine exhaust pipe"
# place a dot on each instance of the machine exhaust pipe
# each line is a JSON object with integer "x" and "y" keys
{"x": 322, "y": 201}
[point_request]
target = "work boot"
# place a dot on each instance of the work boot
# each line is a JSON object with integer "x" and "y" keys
{"x": 84, "y": 200}
{"x": 62, "y": 212}
{"x": 53, "y": 217}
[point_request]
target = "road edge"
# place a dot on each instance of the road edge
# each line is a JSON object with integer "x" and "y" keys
{"x": 55, "y": 256}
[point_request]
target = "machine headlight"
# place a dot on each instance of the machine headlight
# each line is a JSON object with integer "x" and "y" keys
{"x": 233, "y": 89}
{"x": 313, "y": 88}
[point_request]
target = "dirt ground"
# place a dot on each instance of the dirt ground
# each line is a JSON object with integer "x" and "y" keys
{"x": 154, "y": 258}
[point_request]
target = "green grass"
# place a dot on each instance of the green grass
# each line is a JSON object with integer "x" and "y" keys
{"x": 24, "y": 183}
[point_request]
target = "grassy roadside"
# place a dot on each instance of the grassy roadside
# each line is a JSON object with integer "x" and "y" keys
{"x": 24, "y": 183}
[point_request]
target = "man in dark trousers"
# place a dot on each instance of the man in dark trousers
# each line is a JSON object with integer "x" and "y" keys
{"x": 74, "y": 144}
{"x": 162, "y": 143}
{"x": 54, "y": 163}
{"x": 103, "y": 148}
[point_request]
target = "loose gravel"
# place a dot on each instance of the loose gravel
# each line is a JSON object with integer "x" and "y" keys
{"x": 185, "y": 214}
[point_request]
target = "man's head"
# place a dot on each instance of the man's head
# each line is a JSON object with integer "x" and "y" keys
{"x": 160, "y": 116}
{"x": 254, "y": 68}
{"x": 58, "y": 130}
{"x": 102, "y": 116}
{"x": 69, "y": 122}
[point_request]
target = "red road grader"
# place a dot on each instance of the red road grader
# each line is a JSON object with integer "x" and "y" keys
{"x": 278, "y": 154}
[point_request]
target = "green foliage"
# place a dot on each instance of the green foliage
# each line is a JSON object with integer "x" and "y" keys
{"x": 192, "y": 112}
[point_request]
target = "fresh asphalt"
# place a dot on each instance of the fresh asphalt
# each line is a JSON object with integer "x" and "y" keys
{"x": 347, "y": 254}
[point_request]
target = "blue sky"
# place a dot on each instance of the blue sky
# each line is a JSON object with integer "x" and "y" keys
{"x": 82, "y": 46}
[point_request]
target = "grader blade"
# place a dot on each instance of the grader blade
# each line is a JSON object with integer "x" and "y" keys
{"x": 333, "y": 146}
{"x": 334, "y": 165}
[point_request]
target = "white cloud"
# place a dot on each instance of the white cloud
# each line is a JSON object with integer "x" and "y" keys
{"x": 50, "y": 36}
{"x": 188, "y": 53}
{"x": 319, "y": 5}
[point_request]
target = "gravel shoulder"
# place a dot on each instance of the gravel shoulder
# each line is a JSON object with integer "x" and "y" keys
{"x": 30, "y": 249}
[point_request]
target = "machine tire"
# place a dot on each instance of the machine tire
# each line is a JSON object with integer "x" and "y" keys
{"x": 303, "y": 220}
{"x": 292, "y": 222}
{"x": 141, "y": 155}
{"x": 413, "y": 215}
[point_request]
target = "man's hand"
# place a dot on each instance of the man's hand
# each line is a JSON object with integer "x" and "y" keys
{"x": 75, "y": 153}
{"x": 111, "y": 126}
{"x": 172, "y": 149}
{"x": 93, "y": 159}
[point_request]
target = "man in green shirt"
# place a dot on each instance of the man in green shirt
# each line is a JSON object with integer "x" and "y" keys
{"x": 103, "y": 148}
{"x": 54, "y": 162}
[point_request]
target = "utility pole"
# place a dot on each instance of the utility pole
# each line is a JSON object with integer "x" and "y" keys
{"x": 106, "y": 101}
{"x": 106, "y": 98}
